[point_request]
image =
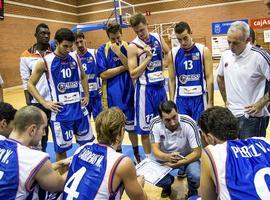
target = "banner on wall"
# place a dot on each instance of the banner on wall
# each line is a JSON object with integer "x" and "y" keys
{"x": 260, "y": 23}
{"x": 219, "y": 44}
{"x": 1, "y": 9}
{"x": 266, "y": 35}
{"x": 222, "y": 27}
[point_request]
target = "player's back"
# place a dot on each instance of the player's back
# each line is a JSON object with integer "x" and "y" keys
{"x": 91, "y": 173}
{"x": 242, "y": 168}
{"x": 18, "y": 165}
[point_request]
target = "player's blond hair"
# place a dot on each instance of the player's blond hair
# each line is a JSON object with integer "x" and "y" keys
{"x": 109, "y": 124}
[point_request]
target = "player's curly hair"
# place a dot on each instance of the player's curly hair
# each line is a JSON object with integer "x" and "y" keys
{"x": 109, "y": 124}
{"x": 220, "y": 122}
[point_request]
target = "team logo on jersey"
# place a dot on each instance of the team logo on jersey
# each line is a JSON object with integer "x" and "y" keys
{"x": 73, "y": 65}
{"x": 156, "y": 44}
{"x": 62, "y": 87}
{"x": 115, "y": 59}
{"x": 192, "y": 77}
{"x": 89, "y": 59}
{"x": 196, "y": 56}
{"x": 154, "y": 64}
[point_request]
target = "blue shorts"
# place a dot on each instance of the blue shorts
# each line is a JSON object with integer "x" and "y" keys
{"x": 147, "y": 100}
{"x": 62, "y": 133}
{"x": 191, "y": 106}
{"x": 95, "y": 106}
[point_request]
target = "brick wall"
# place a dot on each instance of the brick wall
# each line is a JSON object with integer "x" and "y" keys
{"x": 18, "y": 34}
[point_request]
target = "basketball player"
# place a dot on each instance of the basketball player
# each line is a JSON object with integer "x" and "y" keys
{"x": 117, "y": 88}
{"x": 145, "y": 62}
{"x": 99, "y": 172}
{"x": 28, "y": 60}
{"x": 64, "y": 73}
{"x": 190, "y": 74}
{"x": 88, "y": 59}
{"x": 7, "y": 113}
{"x": 231, "y": 168}
{"x": 21, "y": 167}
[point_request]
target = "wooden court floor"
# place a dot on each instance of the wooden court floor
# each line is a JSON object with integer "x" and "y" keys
{"x": 15, "y": 97}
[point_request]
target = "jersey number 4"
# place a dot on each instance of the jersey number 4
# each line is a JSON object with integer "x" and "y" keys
{"x": 74, "y": 182}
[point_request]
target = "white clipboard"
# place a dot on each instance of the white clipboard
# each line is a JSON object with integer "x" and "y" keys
{"x": 152, "y": 171}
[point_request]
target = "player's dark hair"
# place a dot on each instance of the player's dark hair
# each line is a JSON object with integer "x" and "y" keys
{"x": 136, "y": 19}
{"x": 113, "y": 27}
{"x": 220, "y": 122}
{"x": 64, "y": 34}
{"x": 166, "y": 107}
{"x": 7, "y": 112}
{"x": 109, "y": 124}
{"x": 78, "y": 35}
{"x": 181, "y": 27}
{"x": 41, "y": 25}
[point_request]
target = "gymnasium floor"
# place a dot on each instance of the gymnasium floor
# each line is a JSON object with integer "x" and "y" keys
{"x": 15, "y": 97}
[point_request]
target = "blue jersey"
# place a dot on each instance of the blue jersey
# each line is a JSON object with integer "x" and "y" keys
{"x": 118, "y": 90}
{"x": 88, "y": 60}
{"x": 91, "y": 173}
{"x": 242, "y": 168}
{"x": 153, "y": 74}
{"x": 64, "y": 82}
{"x": 18, "y": 165}
{"x": 189, "y": 71}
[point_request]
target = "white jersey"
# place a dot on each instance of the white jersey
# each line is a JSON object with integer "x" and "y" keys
{"x": 18, "y": 165}
{"x": 182, "y": 140}
{"x": 91, "y": 172}
{"x": 28, "y": 61}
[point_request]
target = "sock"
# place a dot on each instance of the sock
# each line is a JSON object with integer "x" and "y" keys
{"x": 136, "y": 150}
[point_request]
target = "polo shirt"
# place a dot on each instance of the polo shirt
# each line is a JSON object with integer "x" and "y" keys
{"x": 245, "y": 77}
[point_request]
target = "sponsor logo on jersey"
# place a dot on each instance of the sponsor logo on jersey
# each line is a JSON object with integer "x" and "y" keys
{"x": 196, "y": 56}
{"x": 154, "y": 64}
{"x": 62, "y": 87}
{"x": 89, "y": 59}
{"x": 73, "y": 65}
{"x": 191, "y": 77}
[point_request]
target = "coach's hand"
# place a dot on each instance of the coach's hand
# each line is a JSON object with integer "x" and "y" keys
{"x": 85, "y": 101}
{"x": 173, "y": 157}
{"x": 254, "y": 108}
{"x": 53, "y": 106}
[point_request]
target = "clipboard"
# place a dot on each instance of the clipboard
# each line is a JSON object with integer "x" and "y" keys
{"x": 152, "y": 171}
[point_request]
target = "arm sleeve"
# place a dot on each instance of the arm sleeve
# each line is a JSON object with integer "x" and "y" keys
{"x": 220, "y": 69}
{"x": 194, "y": 138}
{"x": 101, "y": 61}
{"x": 264, "y": 64}
{"x": 25, "y": 72}
{"x": 155, "y": 134}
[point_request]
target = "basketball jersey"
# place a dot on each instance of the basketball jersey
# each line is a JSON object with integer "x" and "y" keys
{"x": 118, "y": 90}
{"x": 88, "y": 60}
{"x": 189, "y": 71}
{"x": 18, "y": 165}
{"x": 153, "y": 74}
{"x": 241, "y": 168}
{"x": 91, "y": 174}
{"x": 64, "y": 82}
